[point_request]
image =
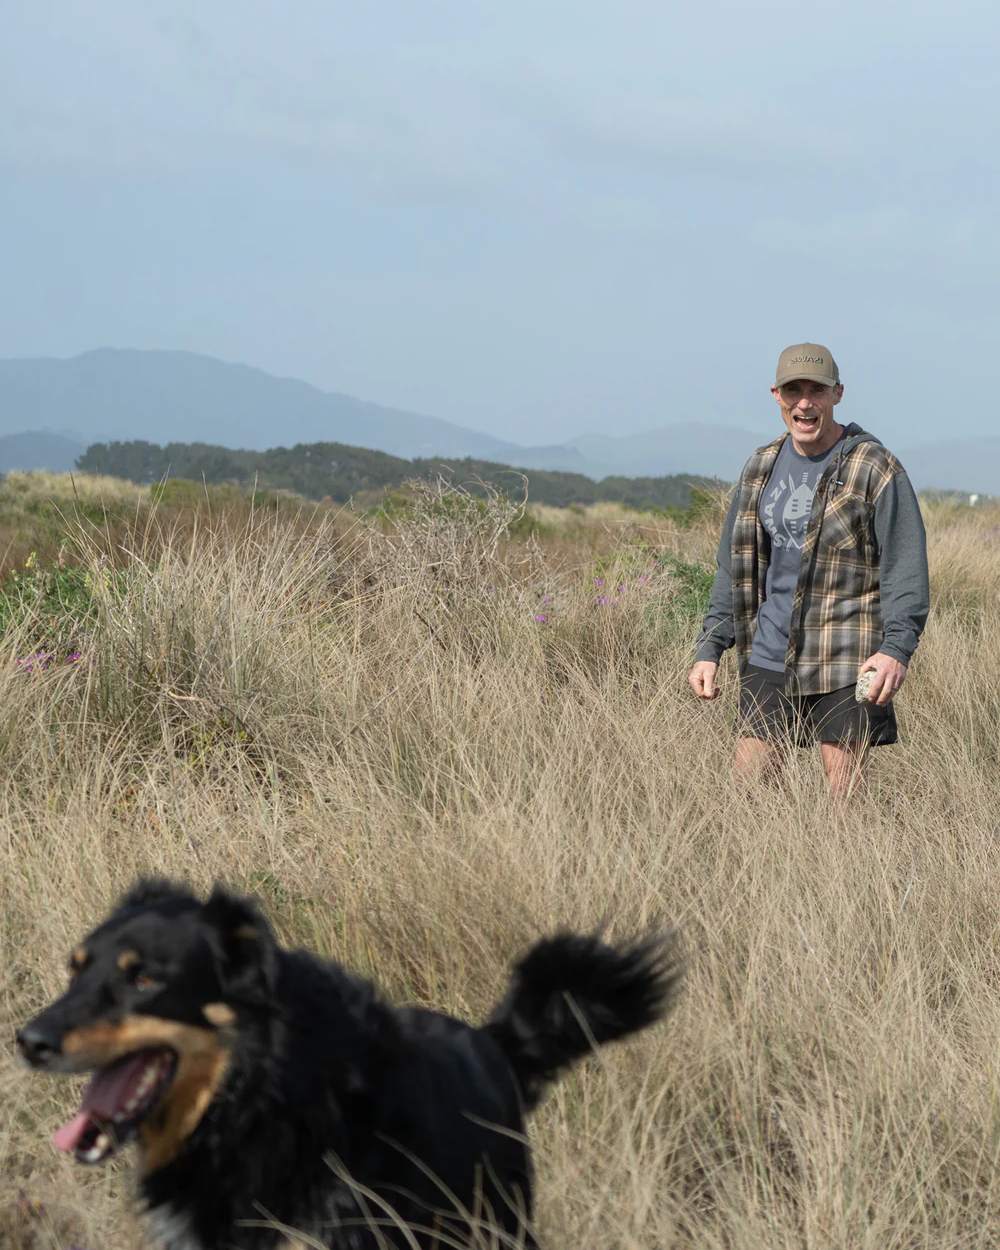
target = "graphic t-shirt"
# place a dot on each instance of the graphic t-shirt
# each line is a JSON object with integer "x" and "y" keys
{"x": 785, "y": 506}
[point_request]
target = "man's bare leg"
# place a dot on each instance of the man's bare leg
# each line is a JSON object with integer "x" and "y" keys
{"x": 844, "y": 766}
{"x": 756, "y": 758}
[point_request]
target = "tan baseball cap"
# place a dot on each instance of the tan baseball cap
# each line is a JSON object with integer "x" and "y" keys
{"x": 810, "y": 361}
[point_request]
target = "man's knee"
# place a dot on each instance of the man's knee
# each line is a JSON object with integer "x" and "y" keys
{"x": 754, "y": 756}
{"x": 843, "y": 765}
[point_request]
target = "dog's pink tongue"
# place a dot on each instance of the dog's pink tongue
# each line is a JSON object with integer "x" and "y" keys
{"x": 66, "y": 1138}
{"x": 106, "y": 1093}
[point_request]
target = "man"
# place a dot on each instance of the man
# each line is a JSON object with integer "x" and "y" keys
{"x": 822, "y": 575}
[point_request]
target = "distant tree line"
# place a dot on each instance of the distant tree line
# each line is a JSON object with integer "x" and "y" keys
{"x": 340, "y": 473}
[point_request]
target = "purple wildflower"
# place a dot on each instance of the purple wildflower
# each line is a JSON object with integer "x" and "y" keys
{"x": 599, "y": 582}
{"x": 602, "y": 601}
{"x": 39, "y": 661}
{"x": 539, "y": 618}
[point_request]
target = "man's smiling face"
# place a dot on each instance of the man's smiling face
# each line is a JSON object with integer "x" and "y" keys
{"x": 807, "y": 408}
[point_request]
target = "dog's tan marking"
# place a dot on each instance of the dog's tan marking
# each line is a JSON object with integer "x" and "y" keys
{"x": 128, "y": 959}
{"x": 219, "y": 1014}
{"x": 198, "y": 1078}
{"x": 96, "y": 1045}
{"x": 78, "y": 959}
{"x": 247, "y": 932}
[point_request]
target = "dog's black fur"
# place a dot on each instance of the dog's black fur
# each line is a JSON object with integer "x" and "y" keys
{"x": 290, "y": 1098}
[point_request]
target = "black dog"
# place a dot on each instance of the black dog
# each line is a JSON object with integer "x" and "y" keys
{"x": 272, "y": 1094}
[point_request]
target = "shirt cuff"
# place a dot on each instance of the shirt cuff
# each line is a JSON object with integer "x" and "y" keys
{"x": 897, "y": 653}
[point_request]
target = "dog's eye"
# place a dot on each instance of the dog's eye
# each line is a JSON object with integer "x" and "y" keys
{"x": 143, "y": 982}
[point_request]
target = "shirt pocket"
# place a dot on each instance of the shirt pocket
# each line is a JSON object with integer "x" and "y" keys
{"x": 846, "y": 529}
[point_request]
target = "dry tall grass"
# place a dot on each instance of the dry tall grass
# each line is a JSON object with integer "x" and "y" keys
{"x": 369, "y": 728}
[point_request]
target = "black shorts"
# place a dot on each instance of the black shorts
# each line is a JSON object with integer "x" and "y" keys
{"x": 767, "y": 712}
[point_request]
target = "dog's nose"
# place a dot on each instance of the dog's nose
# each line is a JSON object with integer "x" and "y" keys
{"x": 37, "y": 1044}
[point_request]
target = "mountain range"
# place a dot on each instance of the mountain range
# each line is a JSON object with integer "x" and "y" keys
{"x": 51, "y": 409}
{"x": 168, "y": 396}
{"x": 39, "y": 449}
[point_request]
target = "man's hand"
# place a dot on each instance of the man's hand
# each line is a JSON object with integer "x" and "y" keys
{"x": 701, "y": 679}
{"x": 889, "y": 676}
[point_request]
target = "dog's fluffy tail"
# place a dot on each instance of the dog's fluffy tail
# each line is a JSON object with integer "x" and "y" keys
{"x": 573, "y": 992}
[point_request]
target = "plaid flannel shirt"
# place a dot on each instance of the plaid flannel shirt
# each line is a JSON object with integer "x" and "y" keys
{"x": 836, "y": 619}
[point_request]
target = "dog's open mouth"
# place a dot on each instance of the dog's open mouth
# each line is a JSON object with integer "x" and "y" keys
{"x": 115, "y": 1102}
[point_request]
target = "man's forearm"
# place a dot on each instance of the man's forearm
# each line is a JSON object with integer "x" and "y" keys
{"x": 718, "y": 632}
{"x": 904, "y": 584}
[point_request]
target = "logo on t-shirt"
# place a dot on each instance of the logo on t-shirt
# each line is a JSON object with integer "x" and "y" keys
{"x": 788, "y": 529}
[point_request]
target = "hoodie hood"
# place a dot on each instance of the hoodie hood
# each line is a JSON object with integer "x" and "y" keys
{"x": 853, "y": 435}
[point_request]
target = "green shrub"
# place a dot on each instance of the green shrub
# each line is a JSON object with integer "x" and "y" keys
{"x": 51, "y": 606}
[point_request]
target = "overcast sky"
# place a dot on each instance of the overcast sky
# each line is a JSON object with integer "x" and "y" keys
{"x": 535, "y": 219}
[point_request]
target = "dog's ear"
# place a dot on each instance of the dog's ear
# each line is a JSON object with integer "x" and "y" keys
{"x": 243, "y": 944}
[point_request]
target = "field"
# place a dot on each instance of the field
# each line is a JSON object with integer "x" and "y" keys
{"x": 424, "y": 738}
